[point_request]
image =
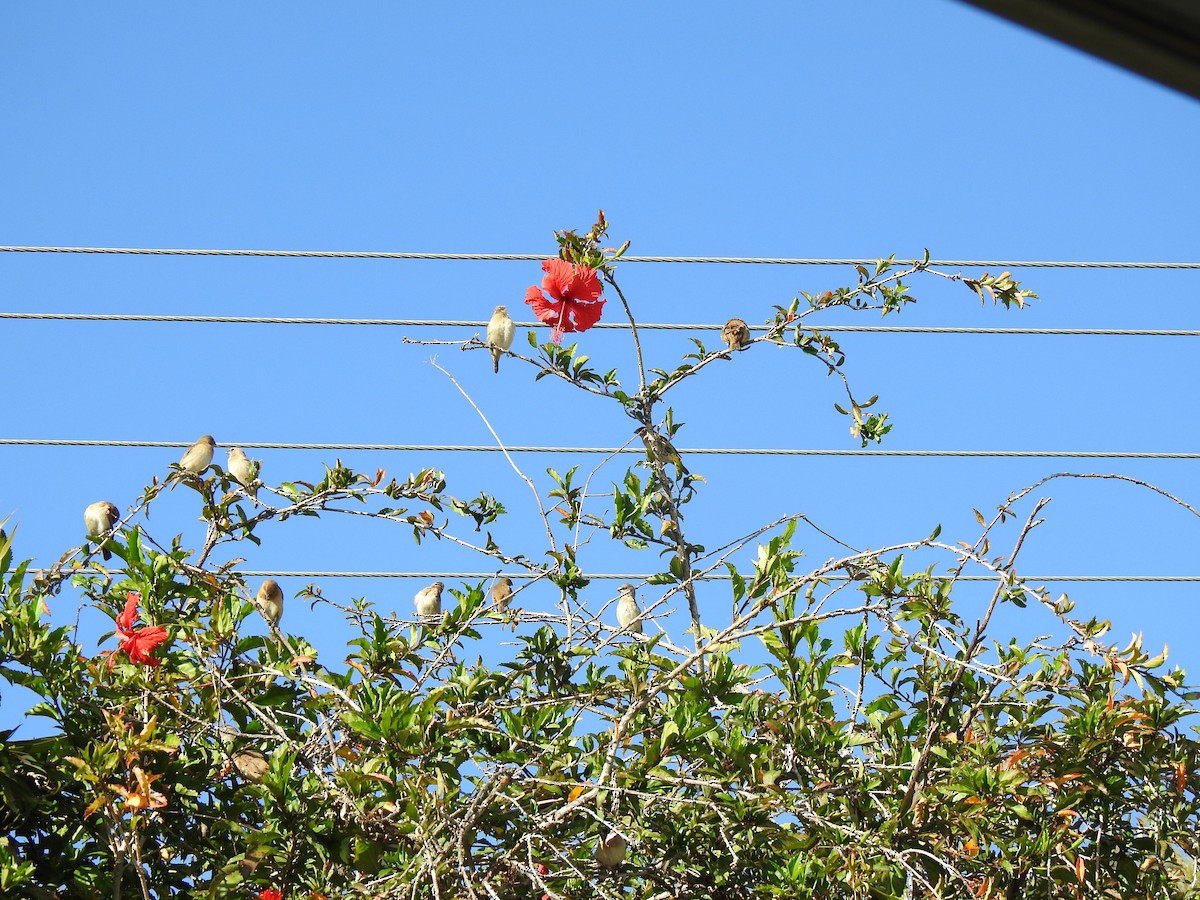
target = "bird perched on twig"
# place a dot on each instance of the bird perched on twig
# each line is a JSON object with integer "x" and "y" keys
{"x": 99, "y": 518}
{"x": 502, "y": 593}
{"x": 244, "y": 470}
{"x": 500, "y": 331}
{"x": 610, "y": 852}
{"x": 660, "y": 449}
{"x": 736, "y": 335}
{"x": 198, "y": 456}
{"x": 250, "y": 764}
{"x": 628, "y": 611}
{"x": 429, "y": 600}
{"x": 269, "y": 601}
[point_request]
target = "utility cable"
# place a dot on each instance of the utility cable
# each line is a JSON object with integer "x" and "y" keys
{"x": 716, "y": 576}
{"x": 649, "y": 326}
{"x": 712, "y": 451}
{"x": 537, "y": 257}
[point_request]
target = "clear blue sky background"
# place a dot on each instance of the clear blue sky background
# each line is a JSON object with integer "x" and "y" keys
{"x": 770, "y": 129}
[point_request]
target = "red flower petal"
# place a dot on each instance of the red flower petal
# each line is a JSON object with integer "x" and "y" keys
{"x": 586, "y": 285}
{"x": 567, "y": 281}
{"x": 127, "y": 618}
{"x": 559, "y": 275}
{"x": 141, "y": 643}
{"x": 586, "y": 314}
{"x": 542, "y": 308}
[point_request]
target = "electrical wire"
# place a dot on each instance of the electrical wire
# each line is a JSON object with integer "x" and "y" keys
{"x": 533, "y": 257}
{"x": 537, "y": 257}
{"x": 717, "y": 576}
{"x": 648, "y": 326}
{"x": 699, "y": 451}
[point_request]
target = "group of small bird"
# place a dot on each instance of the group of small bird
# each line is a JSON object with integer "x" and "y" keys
{"x": 198, "y": 457}
{"x": 101, "y": 516}
{"x": 428, "y": 602}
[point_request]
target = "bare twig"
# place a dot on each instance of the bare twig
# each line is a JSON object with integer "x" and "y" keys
{"x": 529, "y": 481}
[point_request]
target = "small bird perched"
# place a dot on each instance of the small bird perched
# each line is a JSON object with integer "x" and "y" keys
{"x": 610, "y": 852}
{"x": 244, "y": 470}
{"x": 628, "y": 612}
{"x": 99, "y": 517}
{"x": 429, "y": 600}
{"x": 502, "y": 593}
{"x": 198, "y": 456}
{"x": 661, "y": 449}
{"x": 500, "y": 331}
{"x": 735, "y": 334}
{"x": 250, "y": 764}
{"x": 270, "y": 601}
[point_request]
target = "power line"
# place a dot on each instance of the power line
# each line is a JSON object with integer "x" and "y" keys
{"x": 537, "y": 257}
{"x": 716, "y": 576}
{"x": 917, "y": 329}
{"x": 700, "y": 451}
{"x": 647, "y": 326}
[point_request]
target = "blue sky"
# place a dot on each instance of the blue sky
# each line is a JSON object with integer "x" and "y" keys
{"x": 776, "y": 129}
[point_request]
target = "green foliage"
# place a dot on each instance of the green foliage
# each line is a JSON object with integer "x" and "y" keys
{"x": 844, "y": 732}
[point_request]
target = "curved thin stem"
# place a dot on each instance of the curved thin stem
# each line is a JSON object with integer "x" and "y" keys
{"x": 637, "y": 344}
{"x": 529, "y": 481}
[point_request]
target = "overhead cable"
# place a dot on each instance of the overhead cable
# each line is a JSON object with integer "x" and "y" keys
{"x": 716, "y": 576}
{"x": 536, "y": 257}
{"x": 712, "y": 451}
{"x": 647, "y": 326}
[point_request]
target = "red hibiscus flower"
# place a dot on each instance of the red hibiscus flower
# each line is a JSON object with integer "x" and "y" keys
{"x": 270, "y": 894}
{"x": 576, "y": 303}
{"x": 138, "y": 643}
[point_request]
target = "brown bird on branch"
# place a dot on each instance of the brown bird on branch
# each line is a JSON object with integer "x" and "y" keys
{"x": 736, "y": 335}
{"x": 269, "y": 601}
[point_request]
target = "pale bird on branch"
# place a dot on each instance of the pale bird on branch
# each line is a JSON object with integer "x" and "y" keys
{"x": 610, "y": 852}
{"x": 99, "y": 518}
{"x": 500, "y": 331}
{"x": 199, "y": 456}
{"x": 628, "y": 610}
{"x": 244, "y": 470}
{"x": 429, "y": 600}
